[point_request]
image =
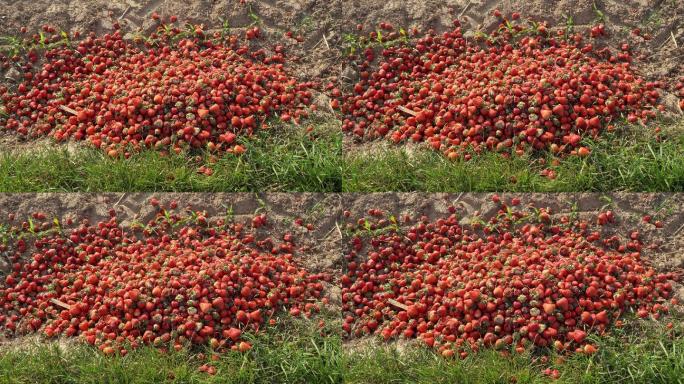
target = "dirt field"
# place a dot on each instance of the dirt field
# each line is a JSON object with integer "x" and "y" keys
{"x": 315, "y": 57}
{"x": 660, "y": 45}
{"x": 659, "y": 50}
{"x": 318, "y": 249}
{"x": 310, "y": 19}
{"x": 321, "y": 248}
{"x": 324, "y": 25}
{"x": 664, "y": 247}
{"x": 662, "y": 19}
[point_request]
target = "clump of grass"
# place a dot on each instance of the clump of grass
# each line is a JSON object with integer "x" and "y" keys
{"x": 642, "y": 352}
{"x": 415, "y": 364}
{"x": 295, "y": 351}
{"x": 285, "y": 160}
{"x": 299, "y": 351}
{"x": 624, "y": 160}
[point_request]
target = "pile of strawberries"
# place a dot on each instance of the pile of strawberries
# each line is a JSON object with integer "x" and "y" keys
{"x": 180, "y": 280}
{"x": 524, "y": 86}
{"x": 179, "y": 89}
{"x": 522, "y": 278}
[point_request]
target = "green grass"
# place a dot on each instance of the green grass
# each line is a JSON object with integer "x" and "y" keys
{"x": 294, "y": 352}
{"x": 289, "y": 160}
{"x": 650, "y": 354}
{"x": 286, "y": 160}
{"x": 619, "y": 161}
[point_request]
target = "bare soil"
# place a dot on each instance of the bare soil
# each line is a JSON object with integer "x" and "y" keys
{"x": 321, "y": 249}
{"x": 319, "y": 58}
{"x": 662, "y": 19}
{"x": 664, "y": 246}
{"x": 318, "y": 248}
{"x": 323, "y": 25}
{"x": 312, "y": 58}
{"x": 660, "y": 57}
{"x": 318, "y": 22}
